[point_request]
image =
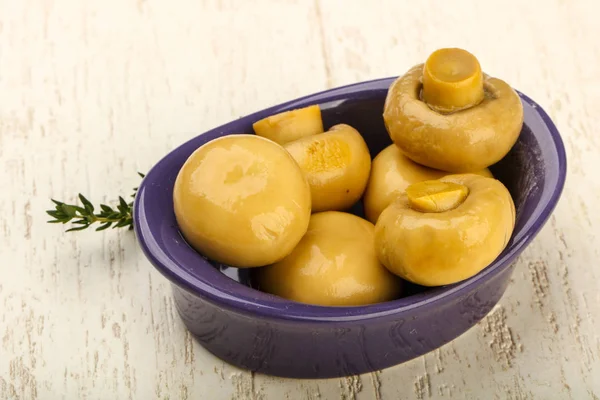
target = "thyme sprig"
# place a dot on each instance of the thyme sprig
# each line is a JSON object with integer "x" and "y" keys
{"x": 85, "y": 215}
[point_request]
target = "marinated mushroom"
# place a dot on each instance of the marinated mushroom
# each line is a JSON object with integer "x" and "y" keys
{"x": 444, "y": 231}
{"x": 336, "y": 163}
{"x": 290, "y": 125}
{"x": 391, "y": 173}
{"x": 334, "y": 264}
{"x": 242, "y": 200}
{"x": 446, "y": 114}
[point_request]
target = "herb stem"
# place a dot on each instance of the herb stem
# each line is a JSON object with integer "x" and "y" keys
{"x": 84, "y": 216}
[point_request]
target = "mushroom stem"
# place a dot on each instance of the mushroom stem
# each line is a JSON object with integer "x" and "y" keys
{"x": 435, "y": 196}
{"x": 452, "y": 80}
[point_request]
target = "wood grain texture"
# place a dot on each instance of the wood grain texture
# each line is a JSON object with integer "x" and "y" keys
{"x": 91, "y": 92}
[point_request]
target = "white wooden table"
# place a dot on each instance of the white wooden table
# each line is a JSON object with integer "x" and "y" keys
{"x": 93, "y": 91}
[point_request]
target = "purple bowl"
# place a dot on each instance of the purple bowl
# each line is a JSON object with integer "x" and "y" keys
{"x": 263, "y": 333}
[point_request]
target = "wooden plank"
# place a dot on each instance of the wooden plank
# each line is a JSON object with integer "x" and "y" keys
{"x": 91, "y": 92}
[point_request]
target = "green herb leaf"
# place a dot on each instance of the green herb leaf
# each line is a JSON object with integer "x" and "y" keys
{"x": 104, "y": 226}
{"x": 89, "y": 207}
{"x": 84, "y": 217}
{"x": 69, "y": 211}
{"x": 79, "y": 228}
{"x": 54, "y": 213}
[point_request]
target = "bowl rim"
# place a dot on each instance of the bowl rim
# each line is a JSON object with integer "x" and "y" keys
{"x": 278, "y": 308}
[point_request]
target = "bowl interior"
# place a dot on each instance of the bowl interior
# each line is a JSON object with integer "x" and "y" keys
{"x": 533, "y": 171}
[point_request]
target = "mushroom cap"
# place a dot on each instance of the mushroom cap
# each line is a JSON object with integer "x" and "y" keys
{"x": 441, "y": 248}
{"x": 391, "y": 173}
{"x": 242, "y": 200}
{"x": 460, "y": 142}
{"x": 335, "y": 264}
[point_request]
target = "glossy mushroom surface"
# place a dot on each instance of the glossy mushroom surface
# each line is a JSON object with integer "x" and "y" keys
{"x": 290, "y": 125}
{"x": 334, "y": 264}
{"x": 444, "y": 231}
{"x": 336, "y": 163}
{"x": 391, "y": 173}
{"x": 457, "y": 132}
{"x": 242, "y": 200}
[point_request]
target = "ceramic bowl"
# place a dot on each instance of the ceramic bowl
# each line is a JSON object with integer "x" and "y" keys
{"x": 263, "y": 333}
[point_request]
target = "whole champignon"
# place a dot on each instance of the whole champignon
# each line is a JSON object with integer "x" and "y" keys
{"x": 242, "y": 200}
{"x": 446, "y": 114}
{"x": 391, "y": 173}
{"x": 444, "y": 231}
{"x": 334, "y": 264}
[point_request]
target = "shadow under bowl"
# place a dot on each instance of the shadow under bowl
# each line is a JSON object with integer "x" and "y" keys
{"x": 264, "y": 333}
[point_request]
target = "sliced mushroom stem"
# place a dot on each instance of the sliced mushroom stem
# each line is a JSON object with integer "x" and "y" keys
{"x": 436, "y": 196}
{"x": 452, "y": 80}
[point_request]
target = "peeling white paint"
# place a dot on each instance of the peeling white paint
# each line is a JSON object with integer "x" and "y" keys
{"x": 422, "y": 387}
{"x": 84, "y": 315}
{"x": 501, "y": 340}
{"x": 350, "y": 387}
